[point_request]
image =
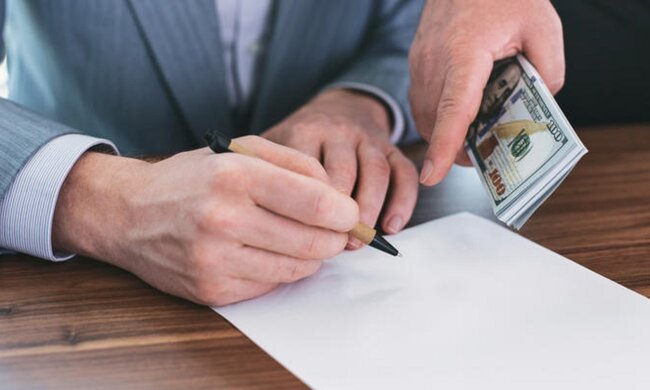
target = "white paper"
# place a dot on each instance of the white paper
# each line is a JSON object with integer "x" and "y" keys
{"x": 470, "y": 306}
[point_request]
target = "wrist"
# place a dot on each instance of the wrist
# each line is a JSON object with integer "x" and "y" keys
{"x": 92, "y": 207}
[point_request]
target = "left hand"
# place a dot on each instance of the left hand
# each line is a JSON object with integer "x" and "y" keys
{"x": 349, "y": 133}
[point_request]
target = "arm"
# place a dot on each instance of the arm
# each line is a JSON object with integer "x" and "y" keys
{"x": 210, "y": 228}
{"x": 382, "y": 65}
{"x": 27, "y": 208}
{"x": 348, "y": 126}
{"x": 22, "y": 133}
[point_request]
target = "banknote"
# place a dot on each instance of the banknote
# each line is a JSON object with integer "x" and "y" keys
{"x": 521, "y": 143}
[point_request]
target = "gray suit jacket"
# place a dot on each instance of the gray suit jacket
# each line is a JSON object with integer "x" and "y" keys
{"x": 148, "y": 74}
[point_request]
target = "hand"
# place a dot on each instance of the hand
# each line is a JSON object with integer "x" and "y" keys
{"x": 451, "y": 58}
{"x": 211, "y": 228}
{"x": 349, "y": 132}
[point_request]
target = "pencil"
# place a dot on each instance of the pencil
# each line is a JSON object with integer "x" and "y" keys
{"x": 219, "y": 143}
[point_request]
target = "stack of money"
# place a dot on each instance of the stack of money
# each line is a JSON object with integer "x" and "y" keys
{"x": 520, "y": 142}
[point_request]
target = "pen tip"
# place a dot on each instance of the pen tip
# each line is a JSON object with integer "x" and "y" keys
{"x": 399, "y": 254}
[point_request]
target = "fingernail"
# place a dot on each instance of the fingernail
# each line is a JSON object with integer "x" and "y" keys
{"x": 394, "y": 224}
{"x": 354, "y": 243}
{"x": 427, "y": 169}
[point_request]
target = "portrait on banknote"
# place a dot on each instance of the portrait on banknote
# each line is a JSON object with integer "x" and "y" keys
{"x": 518, "y": 133}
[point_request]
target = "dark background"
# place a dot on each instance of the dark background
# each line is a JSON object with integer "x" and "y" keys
{"x": 607, "y": 46}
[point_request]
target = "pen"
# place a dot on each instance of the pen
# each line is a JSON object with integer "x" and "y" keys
{"x": 219, "y": 143}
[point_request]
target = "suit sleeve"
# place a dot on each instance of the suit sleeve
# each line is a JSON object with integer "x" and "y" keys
{"x": 383, "y": 61}
{"x": 22, "y": 133}
{"x": 35, "y": 156}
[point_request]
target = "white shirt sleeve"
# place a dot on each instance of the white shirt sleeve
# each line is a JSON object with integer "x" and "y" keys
{"x": 396, "y": 112}
{"x": 27, "y": 210}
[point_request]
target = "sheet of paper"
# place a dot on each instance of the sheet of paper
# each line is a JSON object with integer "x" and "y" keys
{"x": 470, "y": 306}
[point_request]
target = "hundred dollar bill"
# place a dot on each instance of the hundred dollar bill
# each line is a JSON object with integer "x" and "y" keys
{"x": 520, "y": 142}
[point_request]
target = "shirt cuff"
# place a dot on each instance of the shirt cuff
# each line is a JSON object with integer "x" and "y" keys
{"x": 27, "y": 209}
{"x": 389, "y": 101}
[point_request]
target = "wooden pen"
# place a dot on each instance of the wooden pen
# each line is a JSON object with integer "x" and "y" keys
{"x": 364, "y": 233}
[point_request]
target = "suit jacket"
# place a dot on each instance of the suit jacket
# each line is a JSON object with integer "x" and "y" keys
{"x": 148, "y": 74}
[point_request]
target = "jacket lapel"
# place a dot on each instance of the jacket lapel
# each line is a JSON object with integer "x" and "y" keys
{"x": 283, "y": 61}
{"x": 183, "y": 38}
{"x": 297, "y": 60}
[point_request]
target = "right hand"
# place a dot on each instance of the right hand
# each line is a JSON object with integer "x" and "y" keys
{"x": 451, "y": 59}
{"x": 212, "y": 228}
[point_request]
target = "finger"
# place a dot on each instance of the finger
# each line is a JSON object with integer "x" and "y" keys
{"x": 264, "y": 230}
{"x": 427, "y": 75}
{"x": 266, "y": 267}
{"x": 544, "y": 48}
{"x": 340, "y": 161}
{"x": 301, "y": 198}
{"x": 462, "y": 158}
{"x": 457, "y": 108}
{"x": 312, "y": 147}
{"x": 285, "y": 157}
{"x": 374, "y": 177}
{"x": 424, "y": 101}
{"x": 403, "y": 194}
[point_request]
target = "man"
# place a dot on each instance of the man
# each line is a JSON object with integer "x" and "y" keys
{"x": 452, "y": 57}
{"x": 150, "y": 78}
{"x": 217, "y": 229}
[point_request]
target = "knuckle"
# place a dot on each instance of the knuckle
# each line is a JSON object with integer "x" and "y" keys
{"x": 217, "y": 218}
{"x": 458, "y": 50}
{"x": 556, "y": 22}
{"x": 313, "y": 249}
{"x": 303, "y": 269}
{"x": 345, "y": 172}
{"x": 211, "y": 292}
{"x": 204, "y": 260}
{"x": 325, "y": 245}
{"x": 303, "y": 128}
{"x": 379, "y": 165}
{"x": 299, "y": 269}
{"x": 293, "y": 272}
{"x": 228, "y": 172}
{"x": 314, "y": 167}
{"x": 205, "y": 218}
{"x": 450, "y": 106}
{"x": 322, "y": 207}
{"x": 296, "y": 272}
{"x": 407, "y": 168}
{"x": 225, "y": 218}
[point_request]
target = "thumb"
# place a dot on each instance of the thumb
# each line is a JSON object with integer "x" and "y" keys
{"x": 458, "y": 105}
{"x": 284, "y": 157}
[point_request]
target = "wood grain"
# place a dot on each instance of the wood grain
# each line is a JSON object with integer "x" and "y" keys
{"x": 84, "y": 324}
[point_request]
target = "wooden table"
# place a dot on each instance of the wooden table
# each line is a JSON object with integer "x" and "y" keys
{"x": 84, "y": 324}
